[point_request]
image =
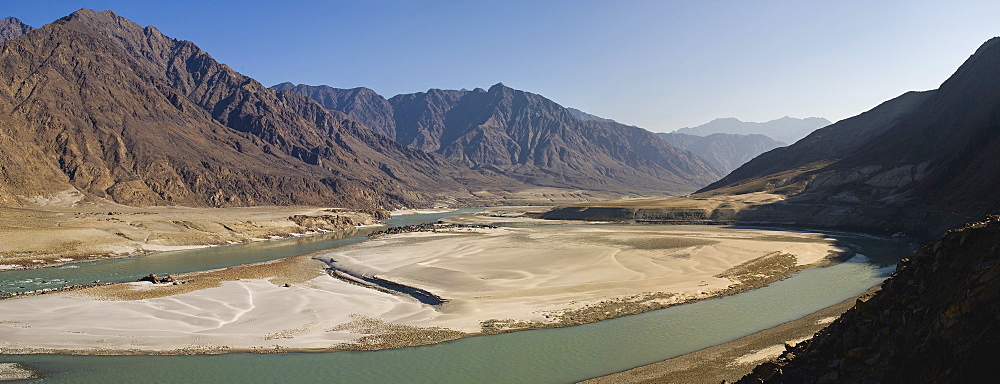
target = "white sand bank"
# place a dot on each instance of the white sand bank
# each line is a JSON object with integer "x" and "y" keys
{"x": 524, "y": 274}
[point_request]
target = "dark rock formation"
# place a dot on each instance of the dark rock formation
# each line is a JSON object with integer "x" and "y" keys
{"x": 12, "y": 28}
{"x": 152, "y": 278}
{"x": 725, "y": 151}
{"x": 786, "y": 129}
{"x": 934, "y": 321}
{"x": 426, "y": 227}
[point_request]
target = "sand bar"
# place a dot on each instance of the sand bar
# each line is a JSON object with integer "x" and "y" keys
{"x": 493, "y": 280}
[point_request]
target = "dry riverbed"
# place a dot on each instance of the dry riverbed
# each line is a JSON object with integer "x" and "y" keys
{"x": 50, "y": 236}
{"x": 492, "y": 280}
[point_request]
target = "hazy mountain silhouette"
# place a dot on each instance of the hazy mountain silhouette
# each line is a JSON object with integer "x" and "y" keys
{"x": 586, "y": 116}
{"x": 786, "y": 129}
{"x": 725, "y": 151}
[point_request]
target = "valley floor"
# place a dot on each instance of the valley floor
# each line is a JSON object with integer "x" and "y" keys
{"x": 493, "y": 280}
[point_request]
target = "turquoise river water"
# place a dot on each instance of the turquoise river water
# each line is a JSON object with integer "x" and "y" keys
{"x": 560, "y": 355}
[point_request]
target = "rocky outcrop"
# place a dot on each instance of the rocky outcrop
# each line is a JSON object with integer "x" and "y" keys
{"x": 934, "y": 321}
{"x": 12, "y": 28}
{"x": 428, "y": 227}
{"x": 152, "y": 278}
{"x": 324, "y": 222}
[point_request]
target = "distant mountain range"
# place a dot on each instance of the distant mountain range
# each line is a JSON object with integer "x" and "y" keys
{"x": 725, "y": 151}
{"x": 524, "y": 136}
{"x": 786, "y": 129}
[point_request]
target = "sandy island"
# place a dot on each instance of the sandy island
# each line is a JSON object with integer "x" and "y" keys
{"x": 55, "y": 235}
{"x": 492, "y": 280}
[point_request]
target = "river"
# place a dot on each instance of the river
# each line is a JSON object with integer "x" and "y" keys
{"x": 540, "y": 356}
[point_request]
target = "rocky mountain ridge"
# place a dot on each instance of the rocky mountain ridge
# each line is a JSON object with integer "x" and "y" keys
{"x": 98, "y": 104}
{"x": 533, "y": 139}
{"x": 361, "y": 104}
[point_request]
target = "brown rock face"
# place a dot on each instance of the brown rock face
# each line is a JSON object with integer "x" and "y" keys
{"x": 934, "y": 321}
{"x": 97, "y": 103}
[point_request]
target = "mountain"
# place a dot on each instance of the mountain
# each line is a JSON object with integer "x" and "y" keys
{"x": 786, "y": 129}
{"x": 920, "y": 163}
{"x": 361, "y": 104}
{"x": 933, "y": 321}
{"x": 830, "y": 143}
{"x": 12, "y": 28}
{"x": 535, "y": 140}
{"x": 581, "y": 115}
{"x": 96, "y": 103}
{"x": 933, "y": 152}
{"x": 725, "y": 151}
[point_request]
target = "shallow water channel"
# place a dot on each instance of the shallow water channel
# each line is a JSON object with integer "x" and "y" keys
{"x": 540, "y": 356}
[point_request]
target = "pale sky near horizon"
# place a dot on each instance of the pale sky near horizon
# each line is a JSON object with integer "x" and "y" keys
{"x": 661, "y": 65}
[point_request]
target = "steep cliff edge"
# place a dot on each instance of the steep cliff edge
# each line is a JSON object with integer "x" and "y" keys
{"x": 934, "y": 321}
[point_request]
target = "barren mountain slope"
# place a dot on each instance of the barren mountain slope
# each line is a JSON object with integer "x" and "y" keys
{"x": 97, "y": 103}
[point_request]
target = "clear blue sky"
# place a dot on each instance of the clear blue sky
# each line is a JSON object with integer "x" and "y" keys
{"x": 660, "y": 65}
